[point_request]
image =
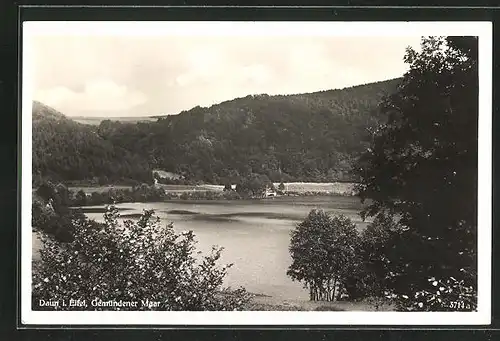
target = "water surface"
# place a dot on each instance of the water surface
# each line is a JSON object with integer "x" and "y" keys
{"x": 255, "y": 234}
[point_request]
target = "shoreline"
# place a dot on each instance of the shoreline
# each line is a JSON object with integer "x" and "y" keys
{"x": 178, "y": 199}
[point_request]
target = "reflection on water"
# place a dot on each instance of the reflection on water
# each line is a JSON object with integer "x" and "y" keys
{"x": 255, "y": 234}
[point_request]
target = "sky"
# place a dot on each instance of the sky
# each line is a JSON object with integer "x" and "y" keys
{"x": 119, "y": 75}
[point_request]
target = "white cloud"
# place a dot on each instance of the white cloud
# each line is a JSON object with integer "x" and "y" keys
{"x": 98, "y": 95}
{"x": 134, "y": 76}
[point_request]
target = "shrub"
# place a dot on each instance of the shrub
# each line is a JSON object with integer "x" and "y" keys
{"x": 139, "y": 261}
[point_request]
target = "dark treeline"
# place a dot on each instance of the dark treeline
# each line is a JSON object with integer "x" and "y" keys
{"x": 422, "y": 172}
{"x": 306, "y": 137}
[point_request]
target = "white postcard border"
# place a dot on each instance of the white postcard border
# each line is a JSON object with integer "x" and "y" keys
{"x": 377, "y": 29}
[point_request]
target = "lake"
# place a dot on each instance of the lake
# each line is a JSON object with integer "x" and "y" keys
{"x": 255, "y": 234}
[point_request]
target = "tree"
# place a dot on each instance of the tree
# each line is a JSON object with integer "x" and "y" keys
{"x": 62, "y": 198}
{"x": 323, "y": 249}
{"x": 421, "y": 170}
{"x": 46, "y": 190}
{"x": 368, "y": 280}
{"x": 254, "y": 185}
{"x": 137, "y": 261}
{"x": 281, "y": 187}
{"x": 103, "y": 180}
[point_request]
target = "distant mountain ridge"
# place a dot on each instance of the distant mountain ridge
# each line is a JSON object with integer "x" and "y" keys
{"x": 97, "y": 120}
{"x": 303, "y": 137}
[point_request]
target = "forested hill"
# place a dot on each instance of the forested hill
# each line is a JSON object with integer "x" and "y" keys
{"x": 309, "y": 137}
{"x": 65, "y": 150}
{"x": 304, "y": 137}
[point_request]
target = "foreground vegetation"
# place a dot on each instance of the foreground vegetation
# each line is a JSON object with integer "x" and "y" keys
{"x": 137, "y": 265}
{"x": 420, "y": 174}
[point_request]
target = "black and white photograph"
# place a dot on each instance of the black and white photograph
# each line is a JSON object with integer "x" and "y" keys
{"x": 256, "y": 173}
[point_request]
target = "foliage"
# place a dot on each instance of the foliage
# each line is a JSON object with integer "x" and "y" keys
{"x": 421, "y": 170}
{"x": 447, "y": 294}
{"x": 324, "y": 253}
{"x": 139, "y": 261}
{"x": 207, "y": 195}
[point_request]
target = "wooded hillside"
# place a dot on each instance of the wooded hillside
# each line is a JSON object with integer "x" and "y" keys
{"x": 305, "y": 137}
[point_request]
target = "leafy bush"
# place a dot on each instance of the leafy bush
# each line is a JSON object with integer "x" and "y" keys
{"x": 139, "y": 261}
{"x": 449, "y": 294}
{"x": 324, "y": 253}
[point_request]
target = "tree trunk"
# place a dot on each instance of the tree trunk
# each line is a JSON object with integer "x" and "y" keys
{"x": 330, "y": 291}
{"x": 339, "y": 292}
{"x": 334, "y": 288}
